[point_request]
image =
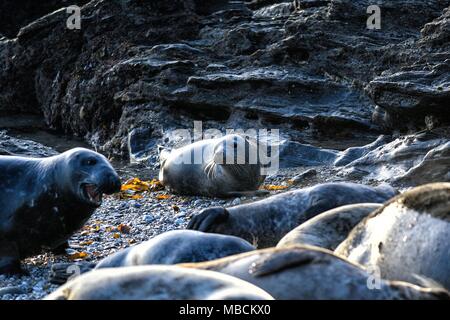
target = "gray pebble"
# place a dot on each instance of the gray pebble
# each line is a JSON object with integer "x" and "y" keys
{"x": 236, "y": 202}
{"x": 304, "y": 175}
{"x": 148, "y": 218}
{"x": 179, "y": 221}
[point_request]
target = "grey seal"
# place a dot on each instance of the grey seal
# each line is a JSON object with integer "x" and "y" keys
{"x": 178, "y": 246}
{"x": 306, "y": 272}
{"x": 408, "y": 238}
{"x": 213, "y": 167}
{"x": 45, "y": 200}
{"x": 157, "y": 283}
{"x": 266, "y": 221}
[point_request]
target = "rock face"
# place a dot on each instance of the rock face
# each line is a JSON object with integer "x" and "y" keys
{"x": 312, "y": 66}
{"x": 420, "y": 86}
{"x": 409, "y": 160}
{"x": 10, "y": 146}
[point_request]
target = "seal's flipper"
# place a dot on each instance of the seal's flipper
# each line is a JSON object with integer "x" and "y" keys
{"x": 206, "y": 220}
{"x": 60, "y": 273}
{"x": 282, "y": 260}
{"x": 10, "y": 259}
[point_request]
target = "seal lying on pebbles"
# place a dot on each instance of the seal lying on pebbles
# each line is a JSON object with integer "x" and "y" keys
{"x": 327, "y": 230}
{"x": 306, "y": 272}
{"x": 44, "y": 201}
{"x": 157, "y": 283}
{"x": 171, "y": 247}
{"x": 266, "y": 221}
{"x": 204, "y": 168}
{"x": 407, "y": 238}
{"x": 177, "y": 247}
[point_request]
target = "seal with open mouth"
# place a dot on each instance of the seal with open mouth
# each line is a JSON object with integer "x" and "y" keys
{"x": 44, "y": 201}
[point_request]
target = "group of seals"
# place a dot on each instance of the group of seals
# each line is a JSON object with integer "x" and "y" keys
{"x": 266, "y": 221}
{"x": 297, "y": 272}
{"x": 221, "y": 167}
{"x": 44, "y": 201}
{"x": 304, "y": 272}
{"x": 291, "y": 270}
{"x": 408, "y": 238}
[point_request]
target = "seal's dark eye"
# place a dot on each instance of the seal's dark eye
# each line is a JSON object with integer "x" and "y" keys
{"x": 91, "y": 162}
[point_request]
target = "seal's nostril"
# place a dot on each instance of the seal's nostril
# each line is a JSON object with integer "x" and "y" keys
{"x": 113, "y": 183}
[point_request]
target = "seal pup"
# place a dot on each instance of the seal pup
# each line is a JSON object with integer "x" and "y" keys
{"x": 45, "y": 200}
{"x": 327, "y": 230}
{"x": 178, "y": 246}
{"x": 266, "y": 221}
{"x": 157, "y": 283}
{"x": 203, "y": 167}
{"x": 306, "y": 272}
{"x": 408, "y": 238}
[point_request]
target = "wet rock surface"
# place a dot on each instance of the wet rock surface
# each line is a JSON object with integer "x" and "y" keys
{"x": 406, "y": 161}
{"x": 10, "y": 146}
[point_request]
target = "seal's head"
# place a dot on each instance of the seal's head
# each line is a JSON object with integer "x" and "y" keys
{"x": 237, "y": 155}
{"x": 236, "y": 149}
{"x": 87, "y": 175}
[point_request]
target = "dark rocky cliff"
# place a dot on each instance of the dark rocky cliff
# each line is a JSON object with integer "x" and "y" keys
{"x": 311, "y": 67}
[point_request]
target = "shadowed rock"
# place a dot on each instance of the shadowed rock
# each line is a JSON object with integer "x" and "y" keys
{"x": 310, "y": 65}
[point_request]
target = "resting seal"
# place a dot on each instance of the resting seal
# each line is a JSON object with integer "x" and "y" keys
{"x": 177, "y": 247}
{"x": 157, "y": 283}
{"x": 306, "y": 272}
{"x": 172, "y": 247}
{"x": 44, "y": 201}
{"x": 266, "y": 221}
{"x": 327, "y": 230}
{"x": 408, "y": 238}
{"x": 201, "y": 167}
